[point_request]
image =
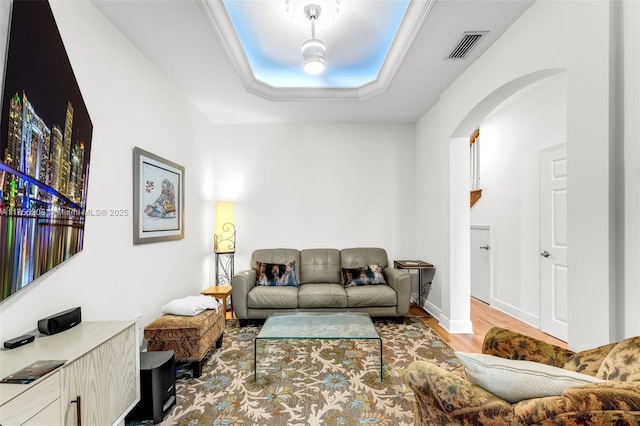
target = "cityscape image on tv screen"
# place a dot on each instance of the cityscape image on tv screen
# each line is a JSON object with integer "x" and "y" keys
{"x": 45, "y": 145}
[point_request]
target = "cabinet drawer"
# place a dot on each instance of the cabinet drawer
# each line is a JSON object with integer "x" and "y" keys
{"x": 44, "y": 395}
{"x": 50, "y": 416}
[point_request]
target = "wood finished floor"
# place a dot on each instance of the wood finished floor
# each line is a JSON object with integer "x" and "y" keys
{"x": 483, "y": 318}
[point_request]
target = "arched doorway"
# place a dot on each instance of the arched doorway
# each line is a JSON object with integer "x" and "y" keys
{"x": 459, "y": 198}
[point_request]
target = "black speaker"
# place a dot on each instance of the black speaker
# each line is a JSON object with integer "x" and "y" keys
{"x": 157, "y": 387}
{"x": 60, "y": 322}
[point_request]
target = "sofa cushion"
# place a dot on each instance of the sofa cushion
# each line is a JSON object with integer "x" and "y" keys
{"x": 621, "y": 365}
{"x": 277, "y": 255}
{"x": 322, "y": 295}
{"x": 589, "y": 361}
{"x": 320, "y": 266}
{"x": 268, "y": 297}
{"x": 515, "y": 380}
{"x": 371, "y": 295}
{"x": 276, "y": 274}
{"x": 364, "y": 275}
{"x": 356, "y": 257}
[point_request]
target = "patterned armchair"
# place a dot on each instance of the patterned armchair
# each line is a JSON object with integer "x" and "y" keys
{"x": 447, "y": 398}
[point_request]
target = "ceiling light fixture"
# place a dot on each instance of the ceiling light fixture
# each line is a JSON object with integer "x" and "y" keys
{"x": 313, "y": 50}
{"x": 329, "y": 8}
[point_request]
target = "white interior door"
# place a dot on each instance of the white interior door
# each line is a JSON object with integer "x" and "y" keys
{"x": 553, "y": 242}
{"x": 481, "y": 263}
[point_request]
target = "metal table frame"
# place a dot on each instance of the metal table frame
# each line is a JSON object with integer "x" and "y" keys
{"x": 422, "y": 267}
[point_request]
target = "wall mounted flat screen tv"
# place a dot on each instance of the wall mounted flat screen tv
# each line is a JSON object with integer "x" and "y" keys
{"x": 45, "y": 145}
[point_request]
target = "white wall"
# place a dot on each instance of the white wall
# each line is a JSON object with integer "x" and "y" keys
{"x": 511, "y": 139}
{"x": 130, "y": 104}
{"x": 550, "y": 37}
{"x": 432, "y": 241}
{"x": 316, "y": 185}
{"x": 434, "y": 178}
{"x": 629, "y": 91}
{"x": 297, "y": 185}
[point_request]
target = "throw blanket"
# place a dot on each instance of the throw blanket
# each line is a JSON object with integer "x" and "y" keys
{"x": 190, "y": 306}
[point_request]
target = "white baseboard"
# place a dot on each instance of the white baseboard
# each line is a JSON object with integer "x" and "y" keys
{"x": 518, "y": 314}
{"x": 462, "y": 327}
{"x": 457, "y": 327}
{"x": 433, "y": 310}
{"x": 452, "y": 327}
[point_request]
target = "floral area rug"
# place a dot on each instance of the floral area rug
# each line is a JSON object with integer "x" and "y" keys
{"x": 308, "y": 382}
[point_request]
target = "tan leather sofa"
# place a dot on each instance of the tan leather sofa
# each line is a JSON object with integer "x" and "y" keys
{"x": 320, "y": 277}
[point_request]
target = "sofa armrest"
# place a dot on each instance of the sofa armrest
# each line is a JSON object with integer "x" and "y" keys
{"x": 605, "y": 396}
{"x": 512, "y": 345}
{"x": 242, "y": 283}
{"x": 588, "y": 404}
{"x": 400, "y": 281}
{"x": 444, "y": 398}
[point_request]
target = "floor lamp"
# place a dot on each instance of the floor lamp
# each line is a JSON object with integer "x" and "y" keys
{"x": 224, "y": 242}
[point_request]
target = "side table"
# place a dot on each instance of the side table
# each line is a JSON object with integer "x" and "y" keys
{"x": 220, "y": 292}
{"x": 426, "y": 271}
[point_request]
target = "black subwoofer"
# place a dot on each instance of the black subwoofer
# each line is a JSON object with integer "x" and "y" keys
{"x": 157, "y": 386}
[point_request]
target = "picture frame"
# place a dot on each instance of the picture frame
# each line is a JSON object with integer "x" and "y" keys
{"x": 158, "y": 198}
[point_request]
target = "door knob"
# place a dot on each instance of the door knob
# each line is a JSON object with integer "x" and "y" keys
{"x": 545, "y": 254}
{"x": 485, "y": 247}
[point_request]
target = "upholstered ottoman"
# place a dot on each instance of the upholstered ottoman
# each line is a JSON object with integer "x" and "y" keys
{"x": 190, "y": 338}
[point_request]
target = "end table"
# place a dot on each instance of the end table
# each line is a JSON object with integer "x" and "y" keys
{"x": 220, "y": 292}
{"x": 422, "y": 267}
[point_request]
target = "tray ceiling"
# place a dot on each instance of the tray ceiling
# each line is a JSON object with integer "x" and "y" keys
{"x": 366, "y": 42}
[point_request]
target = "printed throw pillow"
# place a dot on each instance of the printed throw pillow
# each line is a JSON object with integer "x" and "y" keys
{"x": 275, "y": 274}
{"x": 515, "y": 380}
{"x": 364, "y": 275}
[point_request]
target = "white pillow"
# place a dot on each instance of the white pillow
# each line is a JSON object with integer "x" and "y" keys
{"x": 190, "y": 305}
{"x": 514, "y": 380}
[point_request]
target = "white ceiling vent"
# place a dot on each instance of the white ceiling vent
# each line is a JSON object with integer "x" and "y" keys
{"x": 466, "y": 44}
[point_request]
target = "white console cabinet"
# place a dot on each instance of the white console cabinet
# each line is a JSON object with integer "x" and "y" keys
{"x": 101, "y": 371}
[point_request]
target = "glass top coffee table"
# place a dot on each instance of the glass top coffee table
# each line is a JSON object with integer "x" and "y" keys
{"x": 311, "y": 326}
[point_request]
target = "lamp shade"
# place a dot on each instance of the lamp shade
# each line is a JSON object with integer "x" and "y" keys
{"x": 224, "y": 239}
